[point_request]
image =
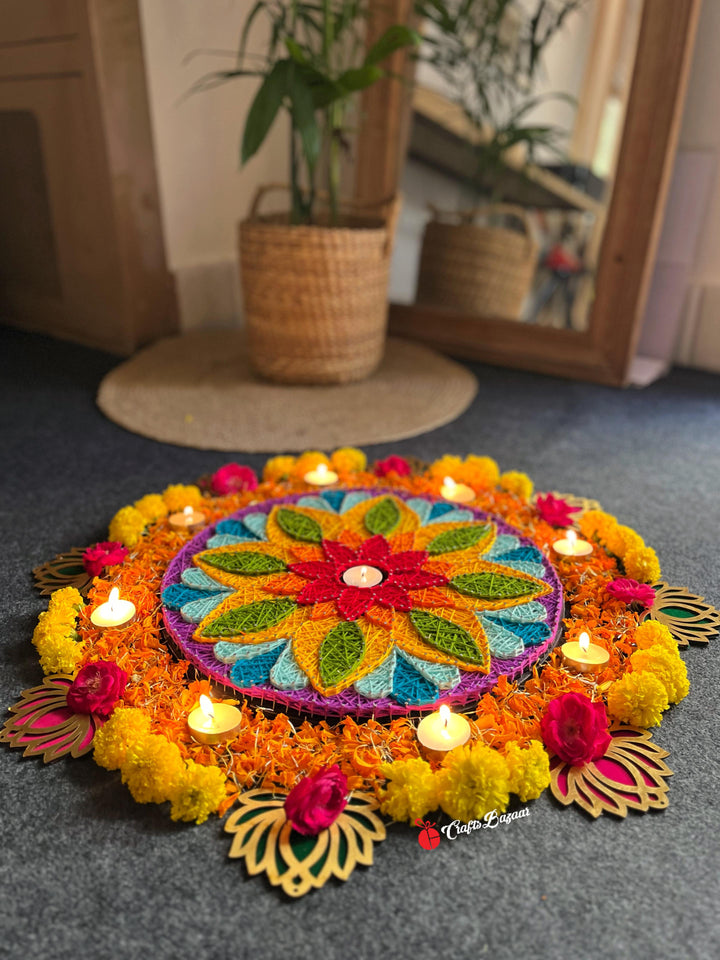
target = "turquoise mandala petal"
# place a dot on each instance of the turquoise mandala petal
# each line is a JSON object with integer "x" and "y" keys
{"x": 226, "y": 540}
{"x": 421, "y": 507}
{"x": 411, "y": 687}
{"x": 286, "y": 673}
{"x": 232, "y": 652}
{"x": 379, "y": 683}
{"x": 250, "y": 672}
{"x": 199, "y": 580}
{"x": 442, "y": 675}
{"x": 256, "y": 524}
{"x": 353, "y": 499}
{"x": 315, "y": 503}
{"x": 197, "y": 610}
{"x": 526, "y": 612}
{"x": 453, "y": 516}
{"x": 531, "y": 634}
{"x": 504, "y": 644}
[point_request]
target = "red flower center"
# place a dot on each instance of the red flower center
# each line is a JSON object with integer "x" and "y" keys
{"x": 401, "y": 573}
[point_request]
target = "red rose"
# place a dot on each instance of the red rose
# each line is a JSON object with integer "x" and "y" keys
{"x": 232, "y": 478}
{"x": 96, "y": 688}
{"x": 554, "y": 510}
{"x": 575, "y": 728}
{"x": 317, "y": 801}
{"x": 398, "y": 465}
{"x": 102, "y": 555}
{"x": 630, "y": 591}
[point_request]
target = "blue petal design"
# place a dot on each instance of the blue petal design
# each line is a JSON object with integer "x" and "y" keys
{"x": 351, "y": 500}
{"x": 225, "y": 540}
{"x": 197, "y": 610}
{"x": 531, "y": 569}
{"x": 234, "y": 528}
{"x": 528, "y": 612}
{"x": 439, "y": 510}
{"x": 531, "y": 634}
{"x": 524, "y": 554}
{"x": 178, "y": 594}
{"x": 421, "y": 507}
{"x": 379, "y": 683}
{"x": 286, "y": 673}
{"x": 199, "y": 580}
{"x": 334, "y": 498}
{"x": 256, "y": 524}
{"x": 228, "y": 652}
{"x": 504, "y": 543}
{"x": 248, "y": 673}
{"x": 453, "y": 516}
{"x": 443, "y": 675}
{"x": 411, "y": 687}
{"x": 504, "y": 644}
{"x": 315, "y": 503}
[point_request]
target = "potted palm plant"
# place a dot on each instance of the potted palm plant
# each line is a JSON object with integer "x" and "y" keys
{"x": 314, "y": 278}
{"x": 482, "y": 259}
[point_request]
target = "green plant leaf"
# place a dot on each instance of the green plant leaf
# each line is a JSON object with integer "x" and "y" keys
{"x": 461, "y": 538}
{"x": 246, "y": 562}
{"x": 383, "y": 517}
{"x": 446, "y": 636}
{"x": 264, "y": 109}
{"x": 304, "y": 120}
{"x": 341, "y": 652}
{"x": 250, "y": 618}
{"x": 394, "y": 38}
{"x": 299, "y": 526}
{"x": 295, "y": 51}
{"x": 359, "y": 78}
{"x": 493, "y": 586}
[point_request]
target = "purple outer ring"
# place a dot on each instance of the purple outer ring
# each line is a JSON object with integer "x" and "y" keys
{"x": 470, "y": 689}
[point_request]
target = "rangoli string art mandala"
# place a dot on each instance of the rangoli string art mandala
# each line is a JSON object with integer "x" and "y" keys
{"x": 272, "y": 665}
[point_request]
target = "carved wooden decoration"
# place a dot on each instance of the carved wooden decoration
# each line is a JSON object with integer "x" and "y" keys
{"x": 583, "y": 502}
{"x": 631, "y": 776}
{"x": 66, "y": 570}
{"x": 44, "y": 725}
{"x": 688, "y": 617}
{"x": 264, "y": 838}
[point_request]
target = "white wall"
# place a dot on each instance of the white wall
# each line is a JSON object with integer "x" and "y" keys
{"x": 197, "y": 150}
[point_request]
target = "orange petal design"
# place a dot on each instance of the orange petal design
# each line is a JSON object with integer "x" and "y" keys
{"x": 307, "y": 552}
{"x": 350, "y": 539}
{"x": 437, "y": 597}
{"x": 354, "y": 519}
{"x": 401, "y": 542}
{"x": 426, "y": 535}
{"x": 382, "y": 616}
{"x": 407, "y": 638}
{"x": 321, "y": 611}
{"x": 308, "y": 640}
{"x": 285, "y": 628}
{"x": 286, "y": 584}
{"x": 330, "y": 524}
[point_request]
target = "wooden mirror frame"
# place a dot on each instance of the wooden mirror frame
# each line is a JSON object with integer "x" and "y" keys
{"x": 604, "y": 352}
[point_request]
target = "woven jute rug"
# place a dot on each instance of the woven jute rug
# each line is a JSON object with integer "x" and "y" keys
{"x": 198, "y": 390}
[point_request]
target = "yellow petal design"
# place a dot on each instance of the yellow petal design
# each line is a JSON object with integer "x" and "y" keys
{"x": 309, "y": 638}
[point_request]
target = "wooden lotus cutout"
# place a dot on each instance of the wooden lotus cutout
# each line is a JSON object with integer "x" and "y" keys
{"x": 631, "y": 776}
{"x": 584, "y": 503}
{"x": 66, "y": 570}
{"x": 45, "y": 726}
{"x": 688, "y": 617}
{"x": 264, "y": 838}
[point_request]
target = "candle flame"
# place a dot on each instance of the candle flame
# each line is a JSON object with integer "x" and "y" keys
{"x": 188, "y": 512}
{"x": 363, "y": 574}
{"x": 571, "y": 538}
{"x": 584, "y": 641}
{"x": 113, "y": 598}
{"x": 449, "y": 483}
{"x": 322, "y": 470}
{"x": 207, "y": 708}
{"x": 445, "y": 714}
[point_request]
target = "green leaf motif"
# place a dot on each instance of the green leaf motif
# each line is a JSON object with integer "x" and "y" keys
{"x": 446, "y": 636}
{"x": 459, "y": 539}
{"x": 394, "y": 38}
{"x": 384, "y": 517}
{"x": 493, "y": 586}
{"x": 250, "y": 618}
{"x": 264, "y": 108}
{"x": 299, "y": 526}
{"x": 340, "y": 653}
{"x": 245, "y": 562}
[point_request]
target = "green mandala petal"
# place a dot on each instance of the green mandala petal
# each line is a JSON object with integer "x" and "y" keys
{"x": 383, "y": 518}
{"x": 341, "y": 652}
{"x": 250, "y": 618}
{"x": 461, "y": 538}
{"x": 299, "y": 526}
{"x": 245, "y": 562}
{"x": 487, "y": 585}
{"x": 447, "y": 636}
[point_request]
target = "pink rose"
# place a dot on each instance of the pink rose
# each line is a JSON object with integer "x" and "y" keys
{"x": 96, "y": 688}
{"x": 575, "y": 728}
{"x": 102, "y": 555}
{"x": 554, "y": 510}
{"x": 317, "y": 801}
{"x": 393, "y": 464}
{"x": 232, "y": 478}
{"x": 630, "y": 591}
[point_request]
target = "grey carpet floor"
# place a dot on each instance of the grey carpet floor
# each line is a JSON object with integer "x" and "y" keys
{"x": 88, "y": 873}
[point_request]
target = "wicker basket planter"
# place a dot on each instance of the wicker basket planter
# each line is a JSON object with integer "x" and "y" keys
{"x": 315, "y": 297}
{"x": 477, "y": 269}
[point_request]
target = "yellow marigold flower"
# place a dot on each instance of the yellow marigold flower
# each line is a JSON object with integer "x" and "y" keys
{"x": 348, "y": 460}
{"x": 518, "y": 483}
{"x": 667, "y": 666}
{"x": 309, "y": 461}
{"x": 651, "y": 633}
{"x": 179, "y": 495}
{"x": 626, "y": 539}
{"x": 127, "y": 526}
{"x": 598, "y": 525}
{"x": 152, "y": 769}
{"x": 412, "y": 790}
{"x": 199, "y": 792}
{"x": 278, "y": 468}
{"x": 66, "y": 601}
{"x": 638, "y": 699}
{"x": 474, "y": 781}
{"x": 59, "y": 654}
{"x": 152, "y": 507}
{"x": 447, "y": 466}
{"x": 482, "y": 473}
{"x": 126, "y": 726}
{"x": 529, "y": 769}
{"x": 642, "y": 564}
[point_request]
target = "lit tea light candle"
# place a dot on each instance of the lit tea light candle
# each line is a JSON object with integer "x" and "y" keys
{"x": 114, "y": 612}
{"x": 187, "y": 519}
{"x": 442, "y": 731}
{"x": 583, "y": 656}
{"x": 457, "y": 492}
{"x": 570, "y": 546}
{"x": 213, "y": 722}
{"x": 362, "y": 576}
{"x": 321, "y": 476}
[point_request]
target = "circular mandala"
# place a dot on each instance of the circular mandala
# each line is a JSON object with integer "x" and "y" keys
{"x": 359, "y": 602}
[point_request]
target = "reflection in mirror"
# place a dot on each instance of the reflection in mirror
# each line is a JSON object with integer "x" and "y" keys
{"x": 517, "y": 119}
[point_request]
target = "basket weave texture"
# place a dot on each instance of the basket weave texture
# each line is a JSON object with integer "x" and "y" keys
{"x": 315, "y": 297}
{"x": 477, "y": 269}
